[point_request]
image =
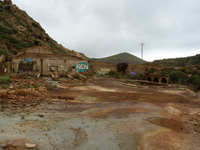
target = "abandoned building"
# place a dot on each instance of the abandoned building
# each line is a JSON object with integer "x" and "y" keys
{"x": 39, "y": 60}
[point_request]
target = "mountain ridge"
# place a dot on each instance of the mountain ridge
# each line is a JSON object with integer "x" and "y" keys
{"x": 123, "y": 57}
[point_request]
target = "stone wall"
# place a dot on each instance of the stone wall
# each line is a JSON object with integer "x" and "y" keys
{"x": 131, "y": 69}
{"x": 58, "y": 66}
{"x": 101, "y": 68}
{"x": 47, "y": 66}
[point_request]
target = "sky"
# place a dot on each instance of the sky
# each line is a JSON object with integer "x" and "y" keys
{"x": 101, "y": 28}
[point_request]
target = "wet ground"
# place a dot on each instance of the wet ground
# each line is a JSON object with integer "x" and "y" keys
{"x": 106, "y": 115}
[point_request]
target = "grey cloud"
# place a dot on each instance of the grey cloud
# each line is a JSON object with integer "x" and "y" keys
{"x": 100, "y": 28}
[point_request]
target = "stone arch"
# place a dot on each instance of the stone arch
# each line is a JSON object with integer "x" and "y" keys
{"x": 163, "y": 80}
{"x": 155, "y": 79}
{"x": 149, "y": 79}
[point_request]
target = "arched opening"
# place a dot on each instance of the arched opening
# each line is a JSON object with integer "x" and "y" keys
{"x": 149, "y": 79}
{"x": 155, "y": 79}
{"x": 163, "y": 80}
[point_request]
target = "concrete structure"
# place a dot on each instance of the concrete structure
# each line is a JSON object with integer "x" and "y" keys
{"x": 41, "y": 60}
{"x": 101, "y": 68}
{"x": 132, "y": 70}
{"x": 158, "y": 79}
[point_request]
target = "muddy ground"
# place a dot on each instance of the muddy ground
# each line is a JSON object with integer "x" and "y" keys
{"x": 104, "y": 114}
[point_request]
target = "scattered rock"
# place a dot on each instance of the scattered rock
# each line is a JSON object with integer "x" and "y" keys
{"x": 29, "y": 145}
{"x": 40, "y": 115}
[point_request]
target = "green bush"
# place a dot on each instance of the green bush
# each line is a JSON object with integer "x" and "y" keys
{"x": 90, "y": 74}
{"x": 195, "y": 81}
{"x": 4, "y": 79}
{"x": 183, "y": 70}
{"x": 139, "y": 76}
{"x": 113, "y": 74}
{"x": 152, "y": 70}
{"x": 176, "y": 76}
{"x": 7, "y": 31}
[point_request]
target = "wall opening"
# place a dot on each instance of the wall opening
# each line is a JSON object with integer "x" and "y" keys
{"x": 53, "y": 68}
{"x": 163, "y": 80}
{"x": 121, "y": 67}
{"x": 149, "y": 79}
{"x": 155, "y": 79}
{"x": 25, "y": 66}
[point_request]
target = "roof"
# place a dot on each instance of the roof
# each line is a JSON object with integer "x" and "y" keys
{"x": 48, "y": 56}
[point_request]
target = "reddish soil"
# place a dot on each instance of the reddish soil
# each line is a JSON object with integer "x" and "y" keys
{"x": 105, "y": 114}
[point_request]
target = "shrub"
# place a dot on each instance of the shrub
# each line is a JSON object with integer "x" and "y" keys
{"x": 183, "y": 70}
{"x": 4, "y": 79}
{"x": 176, "y": 76}
{"x": 195, "y": 81}
{"x": 4, "y": 86}
{"x": 90, "y": 74}
{"x": 113, "y": 74}
{"x": 139, "y": 76}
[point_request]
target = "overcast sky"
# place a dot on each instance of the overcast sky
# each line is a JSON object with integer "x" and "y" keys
{"x": 100, "y": 28}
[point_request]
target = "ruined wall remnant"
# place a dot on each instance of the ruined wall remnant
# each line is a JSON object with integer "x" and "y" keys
{"x": 101, "y": 68}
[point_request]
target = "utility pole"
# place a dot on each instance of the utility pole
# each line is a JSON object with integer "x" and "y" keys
{"x": 142, "y": 44}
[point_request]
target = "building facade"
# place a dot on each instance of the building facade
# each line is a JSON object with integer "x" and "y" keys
{"x": 41, "y": 60}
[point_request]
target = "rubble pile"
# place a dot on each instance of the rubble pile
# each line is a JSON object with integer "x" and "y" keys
{"x": 31, "y": 92}
{"x": 23, "y": 97}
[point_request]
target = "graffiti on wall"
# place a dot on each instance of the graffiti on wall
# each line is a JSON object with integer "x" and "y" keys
{"x": 28, "y": 60}
{"x": 82, "y": 67}
{"x": 132, "y": 73}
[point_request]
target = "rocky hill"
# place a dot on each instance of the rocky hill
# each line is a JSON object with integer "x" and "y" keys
{"x": 18, "y": 31}
{"x": 123, "y": 58}
{"x": 179, "y": 62}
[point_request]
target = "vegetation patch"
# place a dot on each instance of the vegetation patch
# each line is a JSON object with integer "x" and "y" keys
{"x": 51, "y": 87}
{"x": 113, "y": 74}
{"x": 176, "y": 76}
{"x": 195, "y": 82}
{"x": 179, "y": 62}
{"x": 4, "y": 79}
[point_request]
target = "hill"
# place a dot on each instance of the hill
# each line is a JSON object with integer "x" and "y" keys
{"x": 179, "y": 62}
{"x": 123, "y": 58}
{"x": 18, "y": 31}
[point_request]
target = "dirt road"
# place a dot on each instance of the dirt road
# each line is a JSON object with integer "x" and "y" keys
{"x": 106, "y": 115}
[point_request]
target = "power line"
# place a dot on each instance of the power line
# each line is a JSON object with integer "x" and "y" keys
{"x": 176, "y": 33}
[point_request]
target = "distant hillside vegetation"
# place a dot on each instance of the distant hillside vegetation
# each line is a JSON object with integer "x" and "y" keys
{"x": 179, "y": 62}
{"x": 123, "y": 58}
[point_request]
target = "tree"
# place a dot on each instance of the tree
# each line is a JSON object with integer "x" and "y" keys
{"x": 176, "y": 76}
{"x": 195, "y": 81}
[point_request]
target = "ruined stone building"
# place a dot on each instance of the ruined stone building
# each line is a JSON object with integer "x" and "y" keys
{"x": 41, "y": 60}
